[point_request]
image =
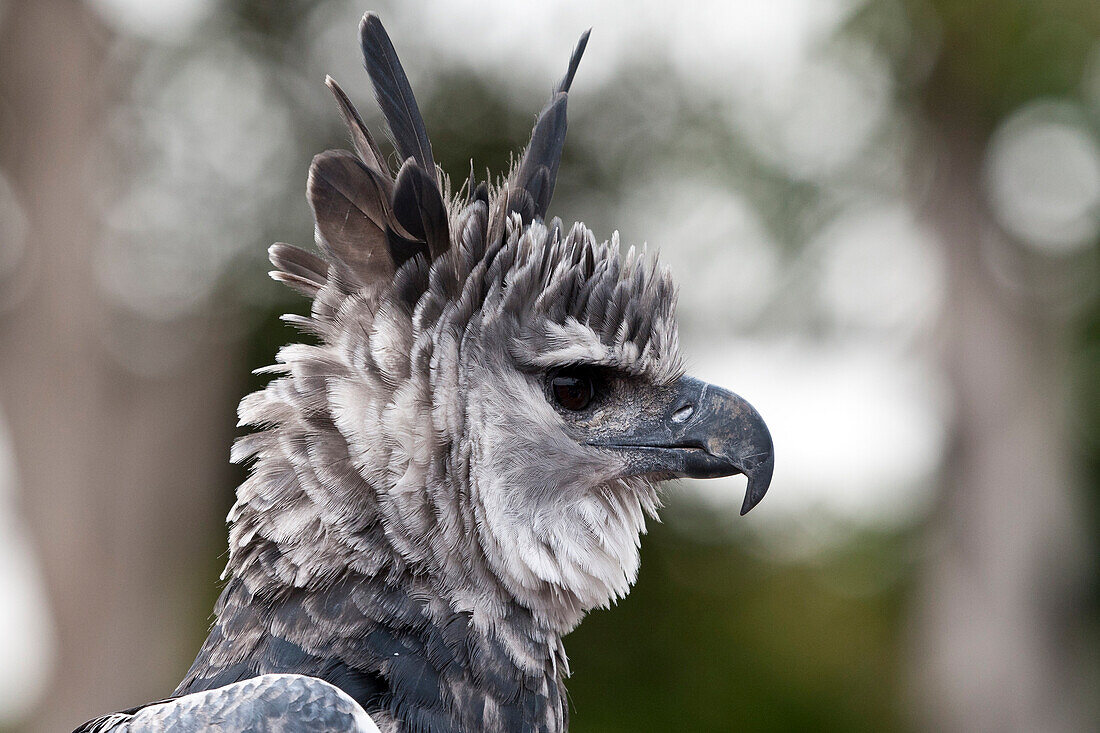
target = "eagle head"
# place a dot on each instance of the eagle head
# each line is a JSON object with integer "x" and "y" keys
{"x": 493, "y": 397}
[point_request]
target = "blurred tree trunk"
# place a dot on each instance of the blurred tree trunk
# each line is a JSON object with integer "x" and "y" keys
{"x": 119, "y": 473}
{"x": 995, "y": 639}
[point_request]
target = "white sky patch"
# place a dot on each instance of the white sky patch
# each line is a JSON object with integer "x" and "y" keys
{"x": 807, "y": 104}
{"x": 717, "y": 43}
{"x": 880, "y": 270}
{"x": 26, "y": 635}
{"x": 859, "y": 429}
{"x": 817, "y": 118}
{"x": 713, "y": 240}
{"x": 159, "y": 20}
{"x": 1043, "y": 177}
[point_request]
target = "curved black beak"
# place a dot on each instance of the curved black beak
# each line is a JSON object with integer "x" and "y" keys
{"x": 697, "y": 430}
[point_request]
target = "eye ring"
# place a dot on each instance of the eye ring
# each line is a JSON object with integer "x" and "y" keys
{"x": 572, "y": 389}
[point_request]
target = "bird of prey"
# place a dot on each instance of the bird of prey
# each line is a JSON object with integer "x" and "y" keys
{"x": 461, "y": 467}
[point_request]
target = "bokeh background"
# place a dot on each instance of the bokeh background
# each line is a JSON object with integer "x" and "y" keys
{"x": 885, "y": 218}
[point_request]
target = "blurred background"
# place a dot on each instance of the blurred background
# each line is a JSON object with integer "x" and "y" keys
{"x": 885, "y": 218}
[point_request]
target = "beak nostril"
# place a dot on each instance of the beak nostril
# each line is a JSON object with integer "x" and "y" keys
{"x": 683, "y": 413}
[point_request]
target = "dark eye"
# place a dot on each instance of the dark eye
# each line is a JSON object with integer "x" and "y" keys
{"x": 573, "y": 390}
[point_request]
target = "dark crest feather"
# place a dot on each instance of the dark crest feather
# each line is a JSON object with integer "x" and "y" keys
{"x": 350, "y": 211}
{"x": 395, "y": 96}
{"x": 574, "y": 62}
{"x": 402, "y": 249}
{"x": 296, "y": 261}
{"x": 537, "y": 171}
{"x": 369, "y": 225}
{"x": 298, "y": 283}
{"x": 360, "y": 136}
{"x": 418, "y": 207}
{"x": 480, "y": 193}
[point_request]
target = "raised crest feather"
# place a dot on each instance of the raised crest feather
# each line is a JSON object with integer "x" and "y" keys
{"x": 537, "y": 171}
{"x": 370, "y": 223}
{"x": 574, "y": 62}
{"x": 360, "y": 136}
{"x": 297, "y": 261}
{"x": 350, "y": 211}
{"x": 298, "y": 283}
{"x": 418, "y": 207}
{"x": 394, "y": 95}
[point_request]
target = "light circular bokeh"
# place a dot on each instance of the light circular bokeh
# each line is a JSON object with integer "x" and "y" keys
{"x": 216, "y": 137}
{"x": 880, "y": 269}
{"x": 717, "y": 247}
{"x": 1042, "y": 177}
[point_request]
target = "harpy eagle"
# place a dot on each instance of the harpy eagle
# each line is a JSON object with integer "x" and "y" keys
{"x": 462, "y": 466}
